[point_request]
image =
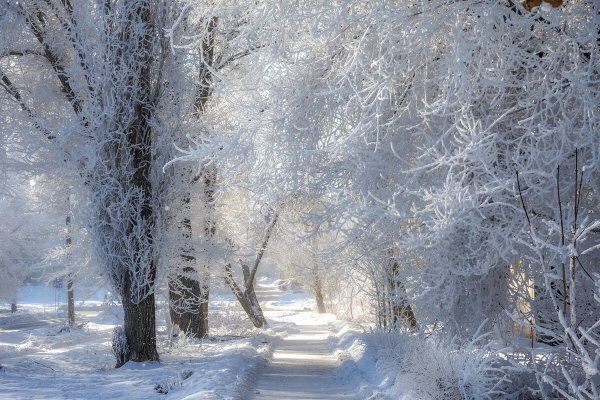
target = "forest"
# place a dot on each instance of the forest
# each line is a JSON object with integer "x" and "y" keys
{"x": 428, "y": 170}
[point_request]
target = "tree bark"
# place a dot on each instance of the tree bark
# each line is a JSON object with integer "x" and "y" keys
{"x": 186, "y": 295}
{"x": 247, "y": 296}
{"x": 187, "y": 301}
{"x": 138, "y": 301}
{"x": 209, "y": 177}
{"x": 140, "y": 326}
{"x": 122, "y": 164}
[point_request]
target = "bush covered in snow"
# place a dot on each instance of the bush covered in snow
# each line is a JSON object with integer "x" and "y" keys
{"x": 433, "y": 369}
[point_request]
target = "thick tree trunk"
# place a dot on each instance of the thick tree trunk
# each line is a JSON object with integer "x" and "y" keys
{"x": 188, "y": 314}
{"x": 132, "y": 172}
{"x": 139, "y": 326}
{"x": 186, "y": 295}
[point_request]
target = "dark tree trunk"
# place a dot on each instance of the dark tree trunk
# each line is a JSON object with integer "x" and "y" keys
{"x": 70, "y": 301}
{"x": 400, "y": 312}
{"x": 186, "y": 294}
{"x": 209, "y": 177}
{"x": 187, "y": 309}
{"x": 139, "y": 326}
{"x": 125, "y": 151}
{"x": 138, "y": 301}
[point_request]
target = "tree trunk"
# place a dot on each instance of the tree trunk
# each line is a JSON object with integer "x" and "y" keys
{"x": 209, "y": 176}
{"x": 70, "y": 301}
{"x": 186, "y": 295}
{"x": 187, "y": 311}
{"x": 138, "y": 300}
{"x": 247, "y": 297}
{"x": 401, "y": 313}
{"x": 194, "y": 320}
{"x": 139, "y": 325}
{"x": 319, "y": 296}
{"x": 210, "y": 173}
{"x": 70, "y": 291}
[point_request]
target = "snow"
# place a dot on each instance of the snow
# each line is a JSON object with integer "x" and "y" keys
{"x": 301, "y": 355}
{"x": 38, "y": 361}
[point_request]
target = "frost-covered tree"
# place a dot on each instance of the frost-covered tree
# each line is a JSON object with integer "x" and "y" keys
{"x": 459, "y": 139}
{"x": 107, "y": 62}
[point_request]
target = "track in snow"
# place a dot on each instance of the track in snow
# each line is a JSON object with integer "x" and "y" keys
{"x": 302, "y": 367}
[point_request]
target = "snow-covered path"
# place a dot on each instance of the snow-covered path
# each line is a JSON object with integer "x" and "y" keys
{"x": 302, "y": 366}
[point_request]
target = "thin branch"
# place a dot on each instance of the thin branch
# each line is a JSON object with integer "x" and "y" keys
{"x": 523, "y": 201}
{"x": 583, "y": 268}
{"x": 562, "y": 228}
{"x": 54, "y": 61}
{"x": 21, "y": 53}
{"x": 562, "y": 240}
{"x": 239, "y": 55}
{"x": 71, "y": 33}
{"x": 206, "y": 75}
{"x": 14, "y": 92}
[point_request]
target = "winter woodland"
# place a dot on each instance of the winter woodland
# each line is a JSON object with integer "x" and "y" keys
{"x": 429, "y": 169}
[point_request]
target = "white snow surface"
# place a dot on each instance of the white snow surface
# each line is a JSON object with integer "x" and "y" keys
{"x": 302, "y": 355}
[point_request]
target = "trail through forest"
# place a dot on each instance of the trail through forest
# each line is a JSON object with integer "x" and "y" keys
{"x": 303, "y": 366}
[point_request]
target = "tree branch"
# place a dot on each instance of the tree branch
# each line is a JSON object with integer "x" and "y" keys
{"x": 231, "y": 282}
{"x": 261, "y": 251}
{"x": 54, "y": 61}
{"x": 523, "y": 200}
{"x": 206, "y": 76}
{"x": 14, "y": 92}
{"x": 21, "y": 53}
{"x": 239, "y": 55}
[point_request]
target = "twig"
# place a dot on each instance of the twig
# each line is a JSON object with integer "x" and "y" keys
{"x": 562, "y": 240}
{"x": 523, "y": 201}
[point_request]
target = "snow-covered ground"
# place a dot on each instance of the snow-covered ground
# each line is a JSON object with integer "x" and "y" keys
{"x": 41, "y": 360}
